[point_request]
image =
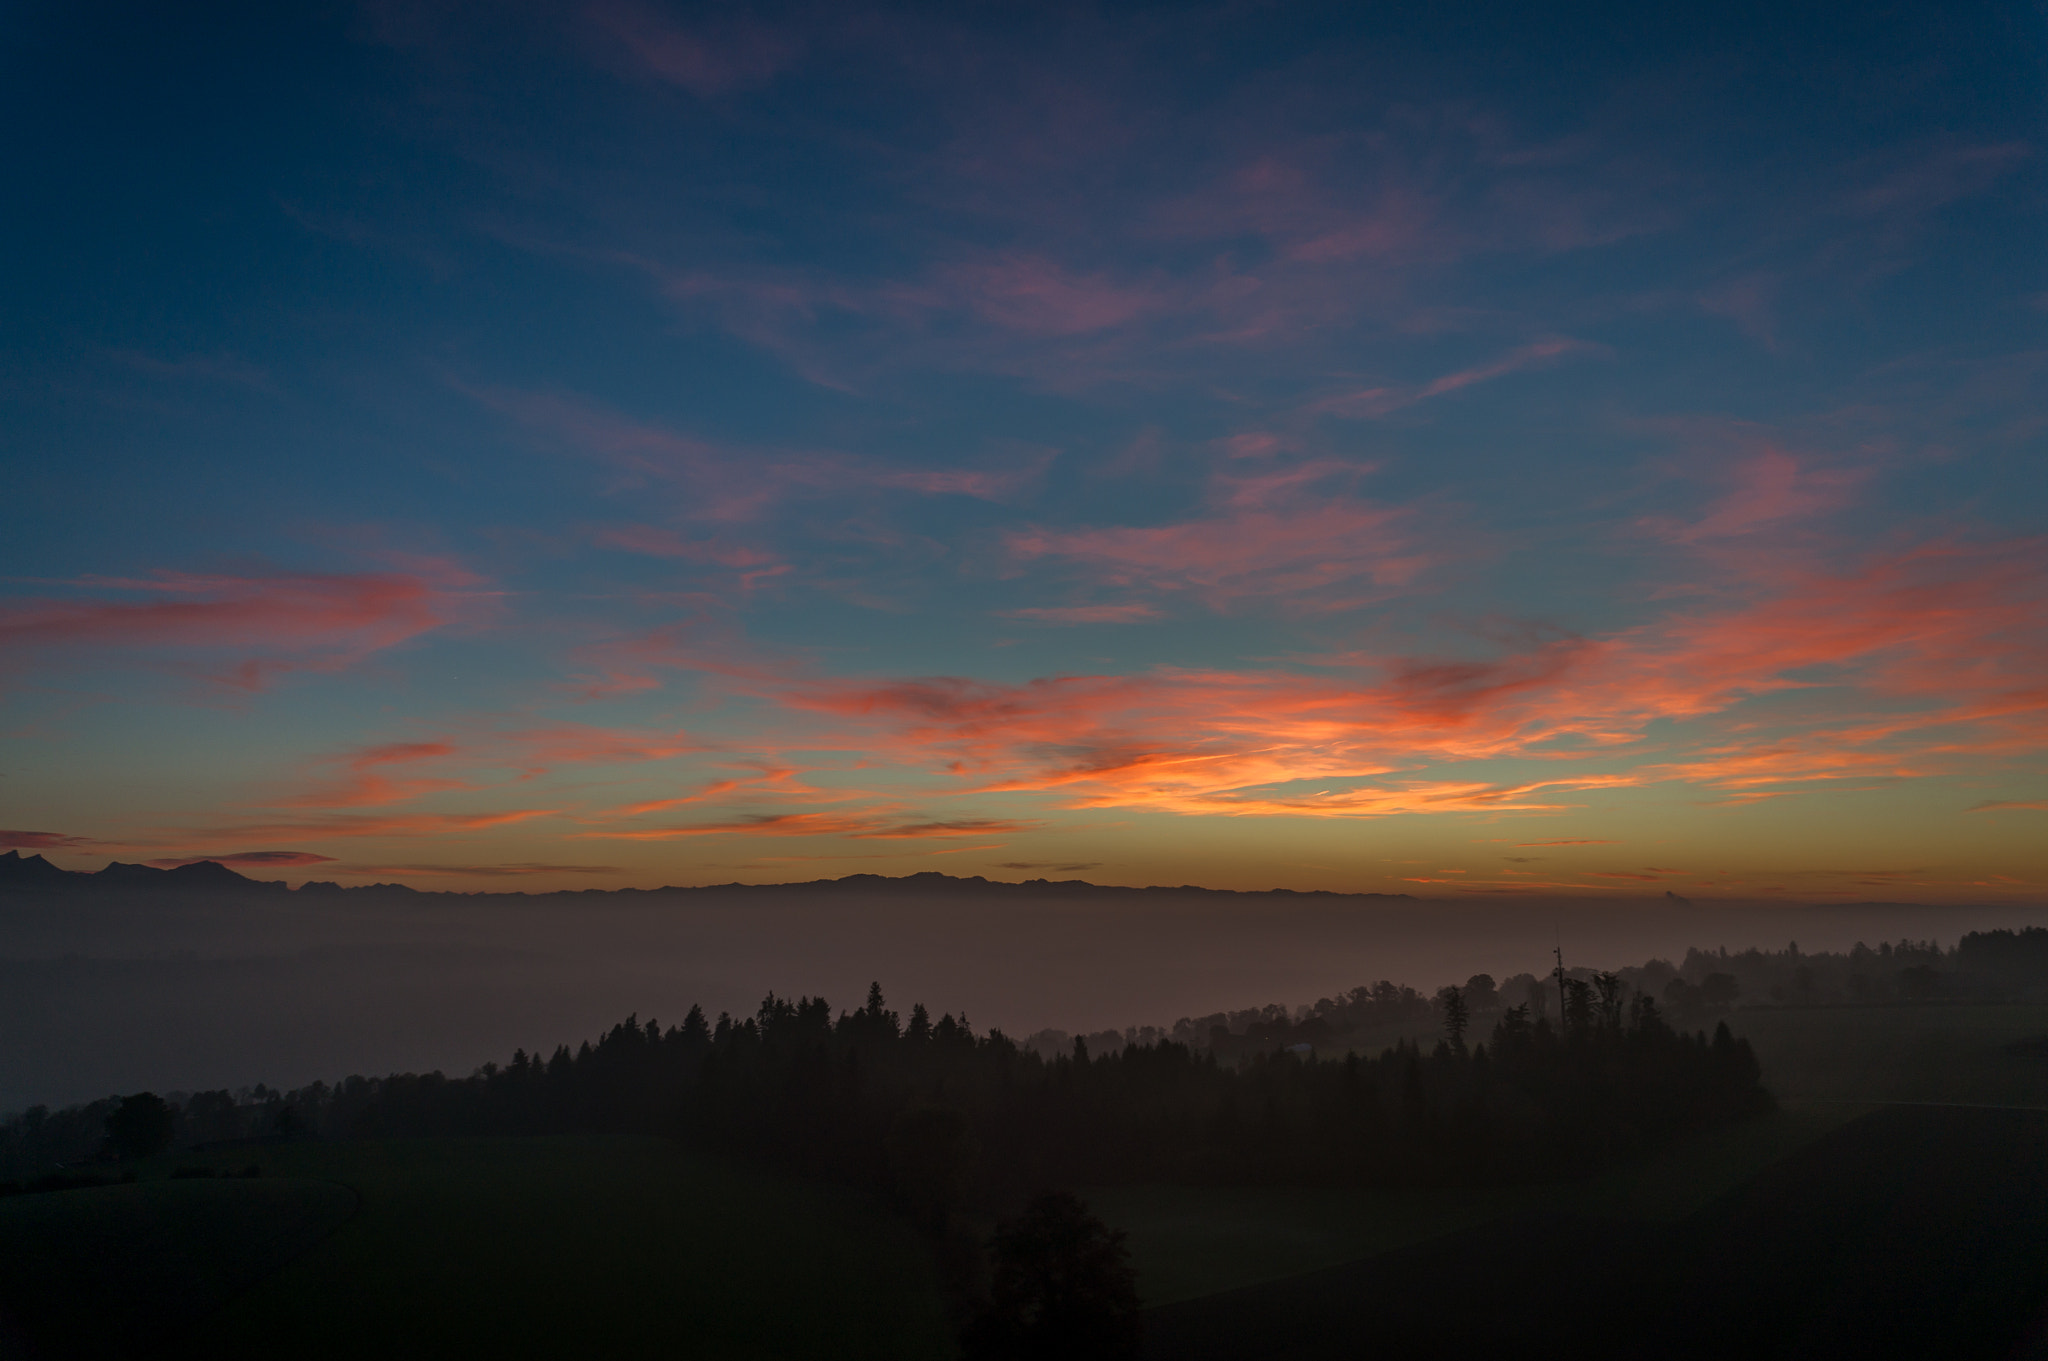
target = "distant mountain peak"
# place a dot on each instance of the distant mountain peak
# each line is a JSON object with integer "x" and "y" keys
{"x": 121, "y": 869}
{"x": 16, "y": 868}
{"x": 206, "y": 872}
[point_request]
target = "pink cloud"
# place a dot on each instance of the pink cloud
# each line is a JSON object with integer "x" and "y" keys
{"x": 708, "y": 60}
{"x": 1938, "y": 178}
{"x": 293, "y": 621}
{"x": 43, "y": 841}
{"x": 1035, "y": 295}
{"x": 1528, "y": 356}
{"x": 663, "y": 543}
{"x": 1369, "y": 403}
{"x": 983, "y": 484}
{"x": 1398, "y": 224}
{"x": 730, "y": 484}
{"x": 362, "y": 778}
{"x": 1748, "y": 301}
{"x": 1766, "y": 490}
{"x": 1086, "y": 614}
{"x": 1250, "y": 554}
{"x": 362, "y": 781}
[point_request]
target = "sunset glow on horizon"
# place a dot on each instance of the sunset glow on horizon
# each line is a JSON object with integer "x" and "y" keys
{"x": 619, "y": 445}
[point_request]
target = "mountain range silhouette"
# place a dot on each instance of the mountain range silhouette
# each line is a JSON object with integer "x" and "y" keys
{"x": 33, "y": 872}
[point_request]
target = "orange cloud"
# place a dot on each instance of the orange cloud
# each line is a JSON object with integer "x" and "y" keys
{"x": 956, "y": 827}
{"x": 379, "y": 825}
{"x": 753, "y": 824}
{"x": 363, "y": 783}
{"x": 1927, "y": 657}
{"x": 362, "y": 780}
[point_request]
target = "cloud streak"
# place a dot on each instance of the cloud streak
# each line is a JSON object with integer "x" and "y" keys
{"x": 1879, "y": 640}
{"x": 266, "y": 624}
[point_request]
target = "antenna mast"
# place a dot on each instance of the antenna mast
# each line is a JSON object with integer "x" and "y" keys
{"x": 1559, "y": 951}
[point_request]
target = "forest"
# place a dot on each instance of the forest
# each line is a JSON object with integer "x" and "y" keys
{"x": 1535, "y": 1080}
{"x": 1530, "y": 1078}
{"x": 939, "y": 1115}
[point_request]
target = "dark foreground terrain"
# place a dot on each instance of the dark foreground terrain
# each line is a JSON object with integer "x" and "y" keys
{"x": 455, "y": 1248}
{"x": 1916, "y": 1231}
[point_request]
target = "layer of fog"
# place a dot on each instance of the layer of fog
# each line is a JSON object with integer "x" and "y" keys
{"x": 116, "y": 993}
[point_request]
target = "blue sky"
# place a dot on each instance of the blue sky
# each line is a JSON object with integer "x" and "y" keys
{"x": 1270, "y": 445}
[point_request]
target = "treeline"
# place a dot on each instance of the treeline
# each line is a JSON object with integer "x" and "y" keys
{"x": 940, "y": 1115}
{"x": 1984, "y": 966}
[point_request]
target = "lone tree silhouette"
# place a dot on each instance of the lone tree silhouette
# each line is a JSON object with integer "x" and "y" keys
{"x": 140, "y": 1126}
{"x": 1457, "y": 1015}
{"x": 1061, "y": 1286}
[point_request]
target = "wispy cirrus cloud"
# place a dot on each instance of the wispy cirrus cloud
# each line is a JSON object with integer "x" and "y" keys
{"x": 733, "y": 485}
{"x": 1294, "y": 533}
{"x": 1931, "y": 177}
{"x": 1383, "y": 400}
{"x": 1086, "y": 614}
{"x": 257, "y": 626}
{"x": 363, "y": 779}
{"x": 719, "y": 54}
{"x": 651, "y": 541}
{"x": 44, "y": 841}
{"x": 750, "y": 824}
{"x": 1880, "y": 640}
{"x": 955, "y": 827}
{"x": 477, "y": 758}
{"x": 400, "y": 824}
{"x": 1035, "y": 295}
{"x": 1767, "y": 490}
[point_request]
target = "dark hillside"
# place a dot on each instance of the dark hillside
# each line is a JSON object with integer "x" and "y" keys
{"x": 1915, "y": 1231}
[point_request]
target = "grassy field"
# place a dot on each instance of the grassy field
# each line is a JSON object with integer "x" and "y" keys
{"x": 85, "y": 1273}
{"x": 529, "y": 1248}
{"x": 1913, "y": 1231}
{"x": 623, "y": 1247}
{"x": 1192, "y": 1241}
{"x": 1909, "y": 1053}
{"x": 1827, "y": 1065}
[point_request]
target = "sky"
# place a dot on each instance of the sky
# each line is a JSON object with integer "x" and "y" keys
{"x": 1446, "y": 449}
